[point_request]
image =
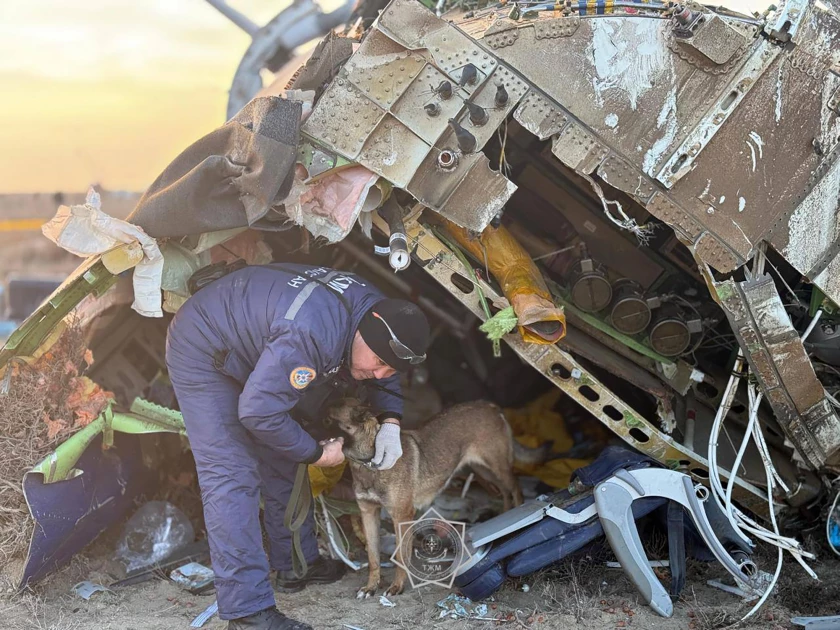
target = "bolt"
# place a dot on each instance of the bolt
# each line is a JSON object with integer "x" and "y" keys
{"x": 432, "y": 109}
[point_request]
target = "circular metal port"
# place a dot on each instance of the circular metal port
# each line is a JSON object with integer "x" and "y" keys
{"x": 669, "y": 334}
{"x": 591, "y": 291}
{"x": 447, "y": 160}
{"x": 630, "y": 313}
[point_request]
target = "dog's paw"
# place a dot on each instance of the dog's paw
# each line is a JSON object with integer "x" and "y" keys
{"x": 365, "y": 592}
{"x": 395, "y": 589}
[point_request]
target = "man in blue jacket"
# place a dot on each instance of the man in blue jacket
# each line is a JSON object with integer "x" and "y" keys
{"x": 244, "y": 355}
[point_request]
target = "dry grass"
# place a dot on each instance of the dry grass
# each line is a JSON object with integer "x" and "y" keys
{"x": 35, "y": 415}
{"x": 571, "y": 588}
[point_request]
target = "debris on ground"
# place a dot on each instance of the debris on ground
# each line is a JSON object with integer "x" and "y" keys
{"x": 193, "y": 577}
{"x": 458, "y": 607}
{"x": 154, "y": 532}
{"x": 211, "y": 610}
{"x": 86, "y": 589}
{"x": 817, "y": 623}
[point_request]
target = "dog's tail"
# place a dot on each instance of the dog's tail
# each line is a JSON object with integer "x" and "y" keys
{"x": 526, "y": 455}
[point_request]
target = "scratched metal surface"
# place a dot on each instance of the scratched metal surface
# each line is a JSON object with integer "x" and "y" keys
{"x": 753, "y": 173}
{"x": 781, "y": 364}
{"x": 619, "y": 76}
{"x": 619, "y": 95}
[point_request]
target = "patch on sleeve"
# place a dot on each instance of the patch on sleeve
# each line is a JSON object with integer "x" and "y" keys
{"x": 301, "y": 377}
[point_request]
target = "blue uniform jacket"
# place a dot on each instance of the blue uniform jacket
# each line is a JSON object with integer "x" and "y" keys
{"x": 277, "y": 333}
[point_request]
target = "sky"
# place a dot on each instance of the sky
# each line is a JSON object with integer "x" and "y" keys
{"x": 110, "y": 91}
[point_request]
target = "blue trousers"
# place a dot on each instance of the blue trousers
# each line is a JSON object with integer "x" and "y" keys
{"x": 234, "y": 471}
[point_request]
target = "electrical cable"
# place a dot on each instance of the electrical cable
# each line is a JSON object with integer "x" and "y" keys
{"x": 812, "y": 325}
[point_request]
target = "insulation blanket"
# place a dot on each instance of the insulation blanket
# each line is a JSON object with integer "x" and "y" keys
{"x": 520, "y": 279}
{"x": 236, "y": 176}
{"x": 85, "y": 230}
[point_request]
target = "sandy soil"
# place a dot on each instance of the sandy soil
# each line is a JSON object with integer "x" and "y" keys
{"x": 580, "y": 593}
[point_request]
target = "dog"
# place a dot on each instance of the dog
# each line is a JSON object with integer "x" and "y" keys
{"x": 474, "y": 434}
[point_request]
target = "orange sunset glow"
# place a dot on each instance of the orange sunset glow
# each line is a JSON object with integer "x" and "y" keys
{"x": 109, "y": 91}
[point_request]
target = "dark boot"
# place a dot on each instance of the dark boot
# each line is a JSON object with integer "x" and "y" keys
{"x": 322, "y": 571}
{"x": 268, "y": 619}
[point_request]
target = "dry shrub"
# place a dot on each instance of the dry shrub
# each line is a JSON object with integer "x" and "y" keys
{"x": 43, "y": 404}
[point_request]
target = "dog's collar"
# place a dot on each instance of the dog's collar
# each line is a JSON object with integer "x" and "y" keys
{"x": 367, "y": 464}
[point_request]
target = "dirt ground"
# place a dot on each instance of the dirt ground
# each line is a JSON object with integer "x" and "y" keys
{"x": 579, "y": 593}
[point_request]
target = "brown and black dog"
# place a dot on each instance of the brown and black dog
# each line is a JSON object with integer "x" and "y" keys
{"x": 472, "y": 434}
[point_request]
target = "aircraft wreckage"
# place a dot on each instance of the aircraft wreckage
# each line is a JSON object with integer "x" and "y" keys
{"x": 652, "y": 187}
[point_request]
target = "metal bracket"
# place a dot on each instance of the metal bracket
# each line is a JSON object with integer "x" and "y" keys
{"x": 576, "y": 381}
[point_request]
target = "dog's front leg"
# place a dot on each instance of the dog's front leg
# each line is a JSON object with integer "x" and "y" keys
{"x": 401, "y": 514}
{"x": 370, "y": 526}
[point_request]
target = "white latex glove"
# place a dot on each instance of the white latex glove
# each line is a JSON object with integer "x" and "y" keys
{"x": 388, "y": 447}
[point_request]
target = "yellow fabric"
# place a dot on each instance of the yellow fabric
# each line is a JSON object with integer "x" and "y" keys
{"x": 520, "y": 279}
{"x": 536, "y": 424}
{"x": 324, "y": 479}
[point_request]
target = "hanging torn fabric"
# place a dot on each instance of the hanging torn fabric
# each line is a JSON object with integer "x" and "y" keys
{"x": 85, "y": 230}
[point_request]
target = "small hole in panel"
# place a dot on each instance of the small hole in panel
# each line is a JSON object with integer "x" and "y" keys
{"x": 462, "y": 283}
{"x": 738, "y": 408}
{"x": 709, "y": 391}
{"x": 588, "y": 393}
{"x": 678, "y": 164}
{"x": 613, "y": 413}
{"x": 640, "y": 436}
{"x": 730, "y": 98}
{"x": 685, "y": 462}
{"x": 699, "y": 472}
{"x": 560, "y": 371}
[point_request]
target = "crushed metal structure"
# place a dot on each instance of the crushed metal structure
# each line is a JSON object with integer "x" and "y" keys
{"x": 651, "y": 158}
{"x": 723, "y": 127}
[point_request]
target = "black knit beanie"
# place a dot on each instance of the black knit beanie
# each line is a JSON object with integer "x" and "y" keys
{"x": 408, "y": 323}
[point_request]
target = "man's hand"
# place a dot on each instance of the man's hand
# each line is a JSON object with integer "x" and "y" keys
{"x": 388, "y": 447}
{"x": 333, "y": 455}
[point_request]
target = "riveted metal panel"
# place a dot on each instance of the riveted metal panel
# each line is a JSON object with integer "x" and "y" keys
{"x": 553, "y": 28}
{"x": 714, "y": 252}
{"x": 716, "y": 39}
{"x": 343, "y": 118}
{"x": 432, "y": 185}
{"x": 540, "y": 116}
{"x": 410, "y": 108}
{"x": 501, "y": 33}
{"x": 484, "y": 97}
{"x": 393, "y": 151}
{"x": 664, "y": 208}
{"x": 383, "y": 79}
{"x": 578, "y": 149}
{"x": 452, "y": 51}
{"x": 479, "y": 197}
{"x": 621, "y": 174}
{"x": 408, "y": 22}
{"x": 770, "y": 171}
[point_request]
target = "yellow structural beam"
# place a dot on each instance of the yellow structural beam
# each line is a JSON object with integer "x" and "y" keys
{"x": 21, "y": 225}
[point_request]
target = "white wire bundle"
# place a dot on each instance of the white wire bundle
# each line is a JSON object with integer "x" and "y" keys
{"x": 723, "y": 497}
{"x": 625, "y": 222}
